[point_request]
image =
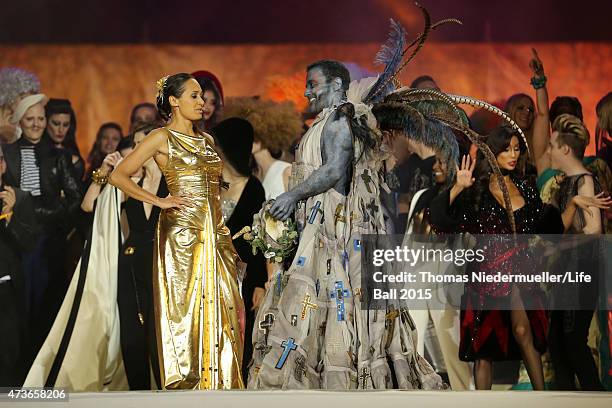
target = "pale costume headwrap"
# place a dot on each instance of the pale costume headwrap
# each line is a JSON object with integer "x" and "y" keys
{"x": 82, "y": 351}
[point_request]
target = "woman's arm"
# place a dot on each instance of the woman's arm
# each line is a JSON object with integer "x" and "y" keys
{"x": 601, "y": 200}
{"x": 541, "y": 123}
{"x": 464, "y": 178}
{"x": 93, "y": 191}
{"x": 91, "y": 195}
{"x": 443, "y": 219}
{"x": 592, "y": 217}
{"x": 120, "y": 177}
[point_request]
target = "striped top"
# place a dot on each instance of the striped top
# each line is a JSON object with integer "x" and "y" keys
{"x": 30, "y": 173}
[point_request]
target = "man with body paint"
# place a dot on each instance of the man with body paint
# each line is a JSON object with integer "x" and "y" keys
{"x": 313, "y": 331}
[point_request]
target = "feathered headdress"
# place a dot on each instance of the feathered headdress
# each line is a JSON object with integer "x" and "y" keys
{"x": 446, "y": 110}
{"x": 394, "y": 50}
{"x": 426, "y": 105}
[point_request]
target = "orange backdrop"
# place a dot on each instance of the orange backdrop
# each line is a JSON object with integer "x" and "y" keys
{"x": 105, "y": 81}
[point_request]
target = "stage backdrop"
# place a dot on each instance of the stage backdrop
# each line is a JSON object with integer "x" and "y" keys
{"x": 104, "y": 82}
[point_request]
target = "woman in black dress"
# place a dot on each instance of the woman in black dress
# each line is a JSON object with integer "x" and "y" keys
{"x": 239, "y": 203}
{"x": 134, "y": 282}
{"x": 476, "y": 205}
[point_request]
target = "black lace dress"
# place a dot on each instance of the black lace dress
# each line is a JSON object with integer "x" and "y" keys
{"x": 487, "y": 334}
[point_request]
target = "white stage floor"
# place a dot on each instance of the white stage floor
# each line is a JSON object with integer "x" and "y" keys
{"x": 328, "y": 399}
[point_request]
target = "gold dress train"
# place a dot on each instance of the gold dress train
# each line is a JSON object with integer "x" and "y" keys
{"x": 196, "y": 292}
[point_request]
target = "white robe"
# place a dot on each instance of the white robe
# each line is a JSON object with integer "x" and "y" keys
{"x": 93, "y": 360}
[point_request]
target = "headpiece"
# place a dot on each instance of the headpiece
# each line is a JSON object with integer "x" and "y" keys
{"x": 25, "y": 104}
{"x": 15, "y": 82}
{"x": 430, "y": 104}
{"x": 160, "y": 85}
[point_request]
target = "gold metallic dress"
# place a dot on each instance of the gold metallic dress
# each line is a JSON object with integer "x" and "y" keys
{"x": 197, "y": 298}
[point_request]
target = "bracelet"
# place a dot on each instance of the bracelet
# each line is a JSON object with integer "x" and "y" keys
{"x": 6, "y": 215}
{"x": 538, "y": 82}
{"x": 98, "y": 177}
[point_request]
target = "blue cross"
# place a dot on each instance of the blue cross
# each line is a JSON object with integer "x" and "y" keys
{"x": 345, "y": 260}
{"x": 357, "y": 245}
{"x": 279, "y": 284}
{"x": 339, "y": 293}
{"x": 288, "y": 345}
{"x": 314, "y": 211}
{"x": 301, "y": 261}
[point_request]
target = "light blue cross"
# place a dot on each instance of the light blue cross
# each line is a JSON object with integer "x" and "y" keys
{"x": 288, "y": 346}
{"x": 339, "y": 293}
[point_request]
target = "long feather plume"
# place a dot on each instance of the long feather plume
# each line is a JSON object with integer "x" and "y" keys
{"x": 390, "y": 55}
{"x": 466, "y": 100}
{"x": 380, "y": 89}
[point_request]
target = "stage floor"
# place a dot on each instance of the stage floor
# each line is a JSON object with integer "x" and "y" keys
{"x": 325, "y": 399}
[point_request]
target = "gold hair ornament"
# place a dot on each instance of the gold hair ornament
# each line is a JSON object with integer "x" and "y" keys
{"x": 160, "y": 85}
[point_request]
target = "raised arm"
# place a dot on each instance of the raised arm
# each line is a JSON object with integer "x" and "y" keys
{"x": 541, "y": 123}
{"x": 443, "y": 218}
{"x": 151, "y": 146}
{"x": 93, "y": 191}
{"x": 464, "y": 178}
{"x": 337, "y": 149}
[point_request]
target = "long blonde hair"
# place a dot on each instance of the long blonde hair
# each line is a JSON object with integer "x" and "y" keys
{"x": 512, "y": 106}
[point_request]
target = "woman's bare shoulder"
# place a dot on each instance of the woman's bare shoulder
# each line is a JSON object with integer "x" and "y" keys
{"x": 159, "y": 133}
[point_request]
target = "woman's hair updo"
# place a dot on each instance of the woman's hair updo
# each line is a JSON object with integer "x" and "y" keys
{"x": 173, "y": 85}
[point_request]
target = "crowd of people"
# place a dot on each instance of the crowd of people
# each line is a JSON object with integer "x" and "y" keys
{"x": 440, "y": 181}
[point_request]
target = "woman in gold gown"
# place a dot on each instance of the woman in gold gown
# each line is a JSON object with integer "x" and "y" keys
{"x": 195, "y": 280}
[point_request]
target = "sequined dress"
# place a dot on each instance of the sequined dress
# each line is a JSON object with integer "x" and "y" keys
{"x": 195, "y": 279}
{"x": 487, "y": 334}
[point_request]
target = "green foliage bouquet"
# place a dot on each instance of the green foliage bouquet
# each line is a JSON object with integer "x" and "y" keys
{"x": 276, "y": 239}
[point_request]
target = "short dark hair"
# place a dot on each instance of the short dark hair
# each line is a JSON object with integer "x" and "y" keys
{"x": 332, "y": 69}
{"x": 420, "y": 79}
{"x": 565, "y": 104}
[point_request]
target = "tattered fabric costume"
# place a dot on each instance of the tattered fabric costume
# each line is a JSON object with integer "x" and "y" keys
{"x": 312, "y": 331}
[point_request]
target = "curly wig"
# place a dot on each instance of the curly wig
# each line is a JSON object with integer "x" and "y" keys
{"x": 15, "y": 82}
{"x": 276, "y": 124}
